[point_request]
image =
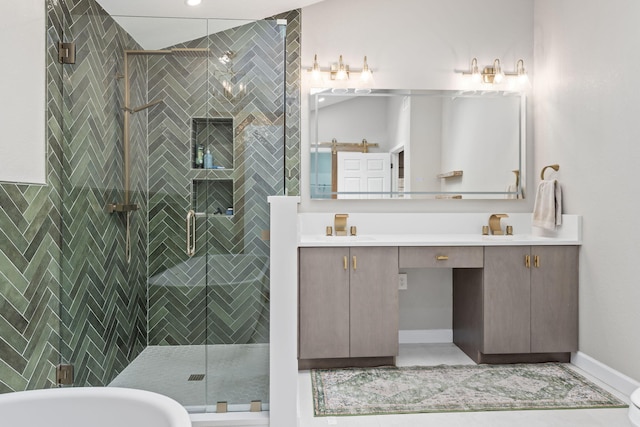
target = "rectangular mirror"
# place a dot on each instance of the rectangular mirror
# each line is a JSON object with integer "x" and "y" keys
{"x": 401, "y": 144}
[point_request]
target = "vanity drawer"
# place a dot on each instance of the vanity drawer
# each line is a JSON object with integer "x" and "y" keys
{"x": 442, "y": 256}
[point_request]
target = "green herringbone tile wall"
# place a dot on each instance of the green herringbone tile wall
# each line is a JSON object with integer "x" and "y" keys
{"x": 103, "y": 297}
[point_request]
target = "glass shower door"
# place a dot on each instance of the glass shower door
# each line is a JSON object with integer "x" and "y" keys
{"x": 246, "y": 131}
{"x": 177, "y": 225}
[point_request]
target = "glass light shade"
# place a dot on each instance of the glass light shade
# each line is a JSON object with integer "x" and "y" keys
{"x": 499, "y": 75}
{"x": 192, "y": 2}
{"x": 366, "y": 74}
{"x": 476, "y": 77}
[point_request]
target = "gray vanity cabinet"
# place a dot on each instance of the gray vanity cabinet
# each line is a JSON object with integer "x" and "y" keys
{"x": 324, "y": 303}
{"x": 348, "y": 302}
{"x": 530, "y": 299}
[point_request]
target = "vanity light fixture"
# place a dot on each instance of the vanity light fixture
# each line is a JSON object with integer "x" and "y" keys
{"x": 315, "y": 70}
{"x": 192, "y": 2}
{"x": 494, "y": 74}
{"x": 340, "y": 71}
{"x": 366, "y": 74}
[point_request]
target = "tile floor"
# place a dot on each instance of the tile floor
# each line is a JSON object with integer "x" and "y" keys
{"x": 436, "y": 354}
{"x": 235, "y": 373}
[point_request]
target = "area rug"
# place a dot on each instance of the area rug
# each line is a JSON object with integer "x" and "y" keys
{"x": 461, "y": 388}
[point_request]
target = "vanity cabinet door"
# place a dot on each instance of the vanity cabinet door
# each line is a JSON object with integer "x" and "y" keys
{"x": 324, "y": 303}
{"x": 554, "y": 299}
{"x": 530, "y": 299}
{"x": 374, "y": 301}
{"x": 506, "y": 300}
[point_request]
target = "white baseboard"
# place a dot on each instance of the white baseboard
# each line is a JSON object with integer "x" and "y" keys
{"x": 604, "y": 373}
{"x": 425, "y": 336}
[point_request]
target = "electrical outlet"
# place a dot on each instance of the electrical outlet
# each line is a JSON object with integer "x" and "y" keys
{"x": 402, "y": 281}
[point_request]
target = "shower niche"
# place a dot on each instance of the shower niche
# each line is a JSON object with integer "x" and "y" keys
{"x": 212, "y": 185}
{"x": 213, "y": 197}
{"x": 214, "y": 135}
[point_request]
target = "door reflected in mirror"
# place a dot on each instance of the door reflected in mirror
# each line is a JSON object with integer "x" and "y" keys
{"x": 400, "y": 144}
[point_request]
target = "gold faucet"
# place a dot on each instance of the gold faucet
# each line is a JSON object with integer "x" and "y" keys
{"x": 494, "y": 224}
{"x": 340, "y": 224}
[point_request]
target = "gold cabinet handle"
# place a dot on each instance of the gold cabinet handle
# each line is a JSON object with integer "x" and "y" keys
{"x": 536, "y": 261}
{"x": 527, "y": 261}
{"x": 442, "y": 257}
{"x": 355, "y": 263}
{"x": 345, "y": 262}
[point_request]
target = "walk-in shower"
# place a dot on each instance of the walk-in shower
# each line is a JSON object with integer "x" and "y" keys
{"x": 141, "y": 307}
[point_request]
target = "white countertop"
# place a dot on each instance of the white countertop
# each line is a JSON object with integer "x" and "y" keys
{"x": 434, "y": 230}
{"x": 432, "y": 240}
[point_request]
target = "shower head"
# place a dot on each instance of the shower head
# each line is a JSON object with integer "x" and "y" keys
{"x": 195, "y": 52}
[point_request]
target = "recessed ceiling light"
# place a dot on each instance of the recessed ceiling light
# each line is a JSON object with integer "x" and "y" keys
{"x": 192, "y": 2}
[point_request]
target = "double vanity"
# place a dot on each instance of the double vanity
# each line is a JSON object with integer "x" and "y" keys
{"x": 515, "y": 298}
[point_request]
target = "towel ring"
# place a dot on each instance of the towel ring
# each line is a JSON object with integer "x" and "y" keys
{"x": 554, "y": 167}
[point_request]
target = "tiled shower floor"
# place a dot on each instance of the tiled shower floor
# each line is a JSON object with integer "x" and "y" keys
{"x": 234, "y": 373}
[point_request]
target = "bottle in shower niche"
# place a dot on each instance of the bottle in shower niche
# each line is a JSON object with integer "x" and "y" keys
{"x": 208, "y": 159}
{"x": 199, "y": 160}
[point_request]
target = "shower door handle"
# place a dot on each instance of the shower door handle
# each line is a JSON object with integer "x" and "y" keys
{"x": 191, "y": 233}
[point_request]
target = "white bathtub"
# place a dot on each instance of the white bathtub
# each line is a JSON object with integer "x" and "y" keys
{"x": 91, "y": 406}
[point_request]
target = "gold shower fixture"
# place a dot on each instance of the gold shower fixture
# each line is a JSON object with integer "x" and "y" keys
{"x": 340, "y": 71}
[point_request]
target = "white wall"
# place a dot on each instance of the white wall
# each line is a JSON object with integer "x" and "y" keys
{"x": 426, "y": 145}
{"x": 354, "y": 120}
{"x": 480, "y": 138}
{"x": 22, "y": 85}
{"x": 586, "y": 119}
{"x": 413, "y": 44}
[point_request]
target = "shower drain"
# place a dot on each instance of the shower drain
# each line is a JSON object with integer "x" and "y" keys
{"x": 196, "y": 377}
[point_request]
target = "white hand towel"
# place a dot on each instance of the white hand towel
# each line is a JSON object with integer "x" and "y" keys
{"x": 547, "y": 210}
{"x": 511, "y": 188}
